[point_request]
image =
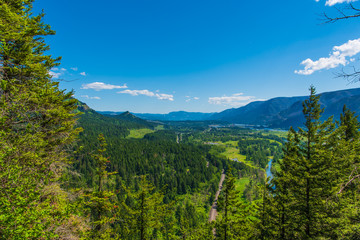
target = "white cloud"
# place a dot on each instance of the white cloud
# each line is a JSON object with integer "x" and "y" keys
{"x": 74, "y": 68}
{"x": 338, "y": 57}
{"x": 56, "y": 72}
{"x": 191, "y": 98}
{"x": 333, "y": 2}
{"x": 138, "y": 92}
{"x": 235, "y": 100}
{"x": 87, "y": 97}
{"x": 160, "y": 96}
{"x": 101, "y": 86}
{"x": 163, "y": 96}
{"x": 83, "y": 74}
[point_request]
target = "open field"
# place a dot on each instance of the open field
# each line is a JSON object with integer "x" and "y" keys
{"x": 159, "y": 127}
{"x": 282, "y": 134}
{"x": 241, "y": 183}
{"x": 139, "y": 133}
{"x": 229, "y": 150}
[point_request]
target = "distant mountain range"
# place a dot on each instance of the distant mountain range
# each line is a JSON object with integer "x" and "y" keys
{"x": 176, "y": 116}
{"x": 280, "y": 112}
{"x": 172, "y": 116}
{"x": 284, "y": 112}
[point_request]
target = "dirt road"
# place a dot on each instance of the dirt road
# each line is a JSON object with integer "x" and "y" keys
{"x": 213, "y": 211}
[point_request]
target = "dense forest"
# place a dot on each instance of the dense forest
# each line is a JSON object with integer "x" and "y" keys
{"x": 68, "y": 172}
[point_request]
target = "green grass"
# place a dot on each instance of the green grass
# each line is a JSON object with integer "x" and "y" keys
{"x": 241, "y": 183}
{"x": 231, "y": 151}
{"x": 139, "y": 133}
{"x": 282, "y": 134}
{"x": 159, "y": 127}
{"x": 232, "y": 143}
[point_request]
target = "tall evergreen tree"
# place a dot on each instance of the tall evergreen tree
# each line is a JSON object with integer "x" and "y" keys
{"x": 143, "y": 212}
{"x": 36, "y": 123}
{"x": 234, "y": 221}
{"x": 347, "y": 197}
{"x": 350, "y": 124}
{"x": 100, "y": 201}
{"x": 307, "y": 178}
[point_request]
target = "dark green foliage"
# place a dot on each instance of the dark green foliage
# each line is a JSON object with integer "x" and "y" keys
{"x": 143, "y": 213}
{"x": 131, "y": 121}
{"x": 259, "y": 150}
{"x": 350, "y": 124}
{"x": 304, "y": 200}
{"x": 36, "y": 123}
{"x": 235, "y": 221}
{"x": 100, "y": 202}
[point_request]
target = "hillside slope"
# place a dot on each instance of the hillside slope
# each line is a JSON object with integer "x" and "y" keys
{"x": 284, "y": 112}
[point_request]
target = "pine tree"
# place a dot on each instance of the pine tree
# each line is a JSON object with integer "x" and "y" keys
{"x": 281, "y": 218}
{"x": 36, "y": 124}
{"x": 350, "y": 124}
{"x": 347, "y": 198}
{"x": 234, "y": 221}
{"x": 307, "y": 177}
{"x": 266, "y": 227}
{"x": 142, "y": 212}
{"x": 100, "y": 201}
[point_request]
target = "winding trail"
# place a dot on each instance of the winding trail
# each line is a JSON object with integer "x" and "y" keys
{"x": 213, "y": 211}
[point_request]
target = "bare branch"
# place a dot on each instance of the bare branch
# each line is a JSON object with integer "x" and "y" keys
{"x": 355, "y": 12}
{"x": 349, "y": 182}
{"x": 351, "y": 179}
{"x": 352, "y": 77}
{"x": 353, "y": 8}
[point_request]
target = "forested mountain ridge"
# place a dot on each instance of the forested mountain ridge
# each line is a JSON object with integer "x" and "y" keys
{"x": 134, "y": 120}
{"x": 171, "y": 116}
{"x": 176, "y": 116}
{"x": 284, "y": 112}
{"x": 118, "y": 125}
{"x": 280, "y": 112}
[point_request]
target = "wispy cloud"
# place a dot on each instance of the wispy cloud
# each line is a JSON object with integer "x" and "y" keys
{"x": 74, "y": 68}
{"x": 101, "y": 86}
{"x": 339, "y": 56}
{"x": 188, "y": 98}
{"x": 235, "y": 100}
{"x": 333, "y": 2}
{"x": 57, "y": 73}
{"x": 163, "y": 96}
{"x": 87, "y": 97}
{"x": 160, "y": 96}
{"x": 83, "y": 74}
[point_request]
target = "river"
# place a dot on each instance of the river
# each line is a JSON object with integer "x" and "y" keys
{"x": 268, "y": 170}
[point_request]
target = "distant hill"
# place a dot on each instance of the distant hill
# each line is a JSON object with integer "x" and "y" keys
{"x": 280, "y": 112}
{"x": 172, "y": 116}
{"x": 176, "y": 116}
{"x": 94, "y": 123}
{"x": 284, "y": 112}
{"x": 133, "y": 121}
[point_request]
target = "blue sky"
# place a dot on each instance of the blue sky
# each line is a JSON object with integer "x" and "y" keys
{"x": 204, "y": 55}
